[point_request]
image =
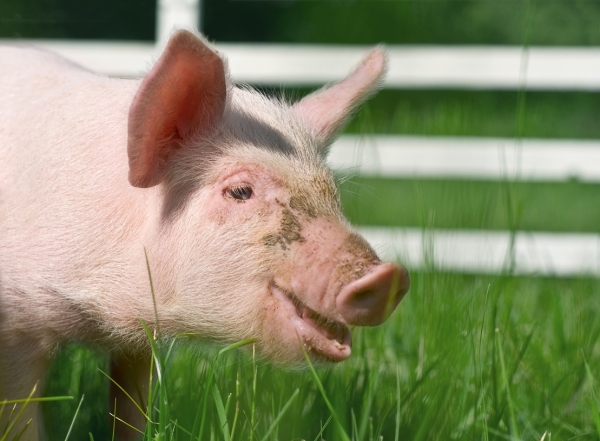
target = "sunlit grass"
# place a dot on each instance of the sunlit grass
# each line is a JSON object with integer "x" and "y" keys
{"x": 464, "y": 357}
{"x": 535, "y": 206}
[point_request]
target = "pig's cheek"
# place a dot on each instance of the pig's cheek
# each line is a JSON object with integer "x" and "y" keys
{"x": 279, "y": 337}
{"x": 227, "y": 211}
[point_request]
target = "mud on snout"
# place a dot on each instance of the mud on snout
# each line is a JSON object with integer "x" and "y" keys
{"x": 330, "y": 279}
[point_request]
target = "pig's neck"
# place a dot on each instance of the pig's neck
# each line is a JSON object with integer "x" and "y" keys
{"x": 143, "y": 274}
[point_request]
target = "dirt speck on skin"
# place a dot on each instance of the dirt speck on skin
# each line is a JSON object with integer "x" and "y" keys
{"x": 362, "y": 259}
{"x": 358, "y": 246}
{"x": 301, "y": 204}
{"x": 290, "y": 227}
{"x": 350, "y": 269}
{"x": 289, "y": 231}
{"x": 318, "y": 197}
{"x": 271, "y": 240}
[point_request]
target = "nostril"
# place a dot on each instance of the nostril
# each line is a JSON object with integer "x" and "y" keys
{"x": 363, "y": 297}
{"x": 370, "y": 300}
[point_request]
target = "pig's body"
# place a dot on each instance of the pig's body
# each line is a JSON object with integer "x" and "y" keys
{"x": 235, "y": 207}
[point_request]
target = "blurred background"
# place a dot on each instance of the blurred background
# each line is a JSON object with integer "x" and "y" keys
{"x": 477, "y": 164}
{"x": 513, "y": 22}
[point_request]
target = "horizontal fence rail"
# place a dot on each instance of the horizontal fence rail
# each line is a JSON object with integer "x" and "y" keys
{"x": 489, "y": 252}
{"x": 472, "y": 158}
{"x": 465, "y": 67}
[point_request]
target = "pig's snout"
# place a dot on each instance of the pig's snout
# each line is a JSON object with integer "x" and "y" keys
{"x": 369, "y": 300}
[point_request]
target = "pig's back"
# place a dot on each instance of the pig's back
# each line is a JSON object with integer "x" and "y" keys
{"x": 63, "y": 154}
{"x": 57, "y": 116}
{"x": 26, "y": 72}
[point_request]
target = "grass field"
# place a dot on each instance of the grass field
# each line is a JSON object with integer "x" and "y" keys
{"x": 464, "y": 357}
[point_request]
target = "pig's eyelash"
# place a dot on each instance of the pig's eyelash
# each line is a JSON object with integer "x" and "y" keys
{"x": 240, "y": 192}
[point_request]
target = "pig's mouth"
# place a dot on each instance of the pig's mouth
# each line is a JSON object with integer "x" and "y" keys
{"x": 322, "y": 337}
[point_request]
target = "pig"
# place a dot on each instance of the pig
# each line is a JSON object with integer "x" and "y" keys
{"x": 221, "y": 194}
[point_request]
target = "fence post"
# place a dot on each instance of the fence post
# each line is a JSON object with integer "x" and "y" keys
{"x": 171, "y": 14}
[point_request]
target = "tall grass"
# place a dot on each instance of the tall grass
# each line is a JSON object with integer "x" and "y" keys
{"x": 464, "y": 357}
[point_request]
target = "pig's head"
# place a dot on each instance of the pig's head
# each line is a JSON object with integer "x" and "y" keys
{"x": 250, "y": 240}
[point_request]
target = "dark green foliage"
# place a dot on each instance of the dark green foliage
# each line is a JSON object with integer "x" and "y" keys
{"x": 556, "y": 22}
{"x": 544, "y": 206}
{"x": 87, "y": 19}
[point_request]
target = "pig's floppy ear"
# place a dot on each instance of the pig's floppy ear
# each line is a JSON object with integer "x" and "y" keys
{"x": 326, "y": 110}
{"x": 184, "y": 95}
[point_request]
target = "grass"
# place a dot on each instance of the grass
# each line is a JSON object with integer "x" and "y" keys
{"x": 464, "y": 357}
{"x": 535, "y": 206}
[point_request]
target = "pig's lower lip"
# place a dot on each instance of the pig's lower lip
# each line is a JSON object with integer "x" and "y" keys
{"x": 323, "y": 338}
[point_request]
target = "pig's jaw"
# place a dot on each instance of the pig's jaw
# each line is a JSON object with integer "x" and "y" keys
{"x": 323, "y": 338}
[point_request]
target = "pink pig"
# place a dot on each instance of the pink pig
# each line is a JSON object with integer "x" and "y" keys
{"x": 226, "y": 190}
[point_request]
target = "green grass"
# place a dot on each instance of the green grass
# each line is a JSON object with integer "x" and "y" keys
{"x": 488, "y": 113}
{"x": 464, "y": 357}
{"x": 543, "y": 206}
{"x": 481, "y": 113}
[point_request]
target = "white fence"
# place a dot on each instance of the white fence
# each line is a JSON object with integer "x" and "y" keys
{"x": 409, "y": 66}
{"x": 393, "y": 156}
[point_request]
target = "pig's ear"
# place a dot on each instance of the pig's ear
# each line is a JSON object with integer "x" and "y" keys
{"x": 183, "y": 96}
{"x": 326, "y": 110}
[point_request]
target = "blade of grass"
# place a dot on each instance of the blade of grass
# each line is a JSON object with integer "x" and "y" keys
{"x": 125, "y": 422}
{"x": 253, "y": 405}
{"x": 201, "y": 415}
{"x": 36, "y": 400}
{"x": 163, "y": 397}
{"x": 398, "y": 408}
{"x": 342, "y": 433}
{"x": 353, "y": 423}
{"x": 511, "y": 409}
{"x": 366, "y": 411}
{"x": 595, "y": 404}
{"x": 127, "y": 395}
{"x": 19, "y": 414}
{"x": 152, "y": 291}
{"x": 224, "y": 424}
{"x": 280, "y": 415}
{"x": 19, "y": 435}
{"x": 237, "y": 404}
{"x": 114, "y": 420}
{"x": 323, "y": 427}
{"x": 74, "y": 418}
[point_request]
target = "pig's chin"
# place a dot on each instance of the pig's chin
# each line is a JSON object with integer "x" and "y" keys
{"x": 323, "y": 338}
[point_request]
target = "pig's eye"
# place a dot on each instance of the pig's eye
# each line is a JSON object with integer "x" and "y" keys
{"x": 241, "y": 193}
